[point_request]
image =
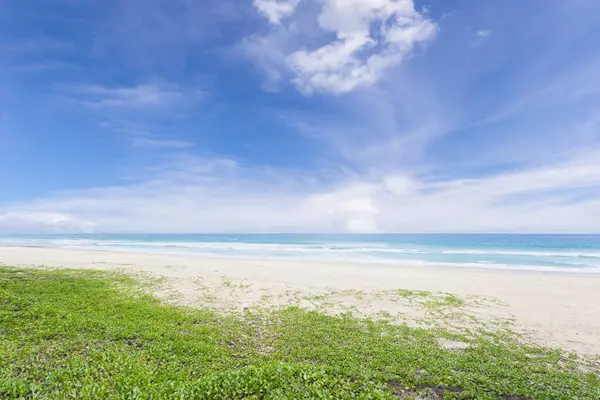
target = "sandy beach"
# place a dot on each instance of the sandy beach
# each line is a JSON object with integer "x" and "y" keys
{"x": 553, "y": 308}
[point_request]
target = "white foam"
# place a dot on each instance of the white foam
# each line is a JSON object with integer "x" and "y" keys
{"x": 340, "y": 251}
{"x": 237, "y": 246}
{"x": 525, "y": 253}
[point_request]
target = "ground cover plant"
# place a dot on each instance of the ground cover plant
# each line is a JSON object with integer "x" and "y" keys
{"x": 89, "y": 335}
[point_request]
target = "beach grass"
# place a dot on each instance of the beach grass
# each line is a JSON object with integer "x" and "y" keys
{"x": 97, "y": 335}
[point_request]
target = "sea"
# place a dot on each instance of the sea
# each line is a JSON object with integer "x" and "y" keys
{"x": 564, "y": 253}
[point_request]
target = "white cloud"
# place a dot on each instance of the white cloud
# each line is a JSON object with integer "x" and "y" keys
{"x": 276, "y": 10}
{"x": 41, "y": 222}
{"x": 191, "y": 194}
{"x": 483, "y": 33}
{"x": 371, "y": 36}
{"x": 210, "y": 195}
{"x": 351, "y": 208}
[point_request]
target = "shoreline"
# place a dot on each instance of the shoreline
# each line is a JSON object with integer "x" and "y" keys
{"x": 526, "y": 269}
{"x": 559, "y": 309}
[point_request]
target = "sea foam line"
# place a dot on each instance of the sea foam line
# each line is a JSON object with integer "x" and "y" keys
{"x": 284, "y": 247}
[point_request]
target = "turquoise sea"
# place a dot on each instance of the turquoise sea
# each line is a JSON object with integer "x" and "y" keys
{"x": 573, "y": 253}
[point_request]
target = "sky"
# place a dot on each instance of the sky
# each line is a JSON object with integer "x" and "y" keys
{"x": 340, "y": 116}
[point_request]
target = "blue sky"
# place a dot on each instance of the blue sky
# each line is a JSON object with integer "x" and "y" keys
{"x": 299, "y": 116}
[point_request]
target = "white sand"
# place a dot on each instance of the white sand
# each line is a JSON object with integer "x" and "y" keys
{"x": 558, "y": 309}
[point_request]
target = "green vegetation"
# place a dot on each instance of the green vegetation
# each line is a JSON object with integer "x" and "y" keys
{"x": 93, "y": 335}
{"x": 448, "y": 301}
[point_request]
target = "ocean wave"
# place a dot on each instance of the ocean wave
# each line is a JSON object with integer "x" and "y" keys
{"x": 356, "y": 252}
{"x": 335, "y": 248}
{"x": 299, "y": 247}
{"x": 529, "y": 253}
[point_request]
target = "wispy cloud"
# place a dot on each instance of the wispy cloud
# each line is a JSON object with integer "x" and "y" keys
{"x": 276, "y": 10}
{"x": 154, "y": 36}
{"x": 144, "y": 96}
{"x": 147, "y": 141}
{"x": 136, "y": 112}
{"x": 268, "y": 54}
{"x": 26, "y": 222}
{"x": 207, "y": 194}
{"x": 480, "y": 37}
